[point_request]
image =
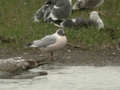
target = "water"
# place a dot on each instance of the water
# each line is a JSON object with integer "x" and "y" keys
{"x": 69, "y": 78}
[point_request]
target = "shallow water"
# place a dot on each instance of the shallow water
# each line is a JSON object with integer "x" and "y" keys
{"x": 68, "y": 78}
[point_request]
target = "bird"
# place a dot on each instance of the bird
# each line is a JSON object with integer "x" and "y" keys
{"x": 42, "y": 13}
{"x": 94, "y": 16}
{"x": 51, "y": 43}
{"x": 53, "y": 10}
{"x": 93, "y": 20}
{"x": 87, "y": 4}
{"x": 75, "y": 23}
{"x": 61, "y": 9}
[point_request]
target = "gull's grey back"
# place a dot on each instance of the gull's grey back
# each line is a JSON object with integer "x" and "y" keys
{"x": 44, "y": 42}
{"x": 65, "y": 8}
{"x": 79, "y": 22}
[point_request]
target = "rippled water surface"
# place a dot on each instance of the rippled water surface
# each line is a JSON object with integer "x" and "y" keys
{"x": 68, "y": 78}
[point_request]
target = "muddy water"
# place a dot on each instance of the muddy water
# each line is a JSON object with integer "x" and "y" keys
{"x": 68, "y": 78}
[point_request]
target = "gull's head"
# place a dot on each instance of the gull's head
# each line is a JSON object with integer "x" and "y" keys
{"x": 60, "y": 32}
{"x": 94, "y": 15}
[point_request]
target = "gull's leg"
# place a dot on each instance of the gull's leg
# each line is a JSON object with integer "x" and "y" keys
{"x": 52, "y": 56}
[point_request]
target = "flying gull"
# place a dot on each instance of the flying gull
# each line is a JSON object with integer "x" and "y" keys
{"x": 51, "y": 42}
{"x": 87, "y": 4}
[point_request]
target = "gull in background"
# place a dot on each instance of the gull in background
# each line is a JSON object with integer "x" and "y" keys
{"x": 75, "y": 23}
{"x": 42, "y": 13}
{"x": 94, "y": 20}
{"x": 51, "y": 43}
{"x": 54, "y": 10}
{"x": 87, "y": 4}
{"x": 60, "y": 11}
{"x": 94, "y": 16}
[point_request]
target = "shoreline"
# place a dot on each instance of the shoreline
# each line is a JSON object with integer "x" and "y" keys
{"x": 69, "y": 56}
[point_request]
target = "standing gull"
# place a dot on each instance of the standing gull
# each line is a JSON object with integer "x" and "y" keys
{"x": 51, "y": 42}
{"x": 87, "y": 4}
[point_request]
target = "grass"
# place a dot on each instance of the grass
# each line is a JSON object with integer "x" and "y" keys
{"x": 16, "y": 22}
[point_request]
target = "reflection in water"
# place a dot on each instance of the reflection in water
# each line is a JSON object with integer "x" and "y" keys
{"x": 69, "y": 78}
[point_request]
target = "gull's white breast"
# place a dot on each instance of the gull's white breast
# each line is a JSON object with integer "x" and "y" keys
{"x": 61, "y": 41}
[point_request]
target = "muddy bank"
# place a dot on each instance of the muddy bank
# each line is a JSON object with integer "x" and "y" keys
{"x": 69, "y": 56}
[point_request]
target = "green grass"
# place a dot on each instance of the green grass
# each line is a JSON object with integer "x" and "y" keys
{"x": 16, "y": 22}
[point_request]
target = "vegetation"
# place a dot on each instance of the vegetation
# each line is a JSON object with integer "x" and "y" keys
{"x": 16, "y": 22}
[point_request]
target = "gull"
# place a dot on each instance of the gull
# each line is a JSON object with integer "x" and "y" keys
{"x": 54, "y": 10}
{"x": 42, "y": 13}
{"x": 60, "y": 11}
{"x": 87, "y": 4}
{"x": 75, "y": 23}
{"x": 51, "y": 43}
{"x": 94, "y": 20}
{"x": 94, "y": 16}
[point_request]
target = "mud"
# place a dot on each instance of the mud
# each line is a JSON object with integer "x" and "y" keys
{"x": 68, "y": 56}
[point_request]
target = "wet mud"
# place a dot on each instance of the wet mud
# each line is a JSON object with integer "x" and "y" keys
{"x": 68, "y": 56}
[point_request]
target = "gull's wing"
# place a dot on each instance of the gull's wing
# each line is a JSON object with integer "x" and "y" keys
{"x": 45, "y": 9}
{"x": 61, "y": 9}
{"x": 44, "y": 42}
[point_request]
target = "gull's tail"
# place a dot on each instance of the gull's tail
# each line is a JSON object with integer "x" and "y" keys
{"x": 29, "y": 44}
